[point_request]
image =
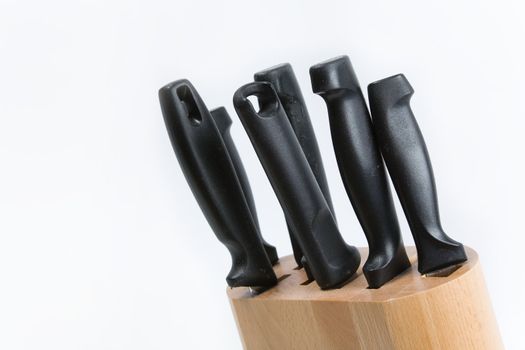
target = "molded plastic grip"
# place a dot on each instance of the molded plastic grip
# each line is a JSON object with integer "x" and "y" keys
{"x": 361, "y": 168}
{"x": 408, "y": 162}
{"x": 208, "y": 168}
{"x": 330, "y": 260}
{"x": 223, "y": 121}
{"x": 283, "y": 79}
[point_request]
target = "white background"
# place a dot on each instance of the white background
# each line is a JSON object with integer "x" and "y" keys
{"x": 102, "y": 245}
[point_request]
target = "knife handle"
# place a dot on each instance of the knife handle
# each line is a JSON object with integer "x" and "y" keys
{"x": 361, "y": 168}
{"x": 408, "y": 162}
{"x": 330, "y": 260}
{"x": 208, "y": 168}
{"x": 283, "y": 79}
{"x": 223, "y": 121}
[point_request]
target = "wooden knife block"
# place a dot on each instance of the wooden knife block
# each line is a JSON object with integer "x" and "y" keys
{"x": 409, "y": 312}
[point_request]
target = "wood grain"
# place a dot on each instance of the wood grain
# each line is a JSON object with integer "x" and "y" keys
{"x": 409, "y": 312}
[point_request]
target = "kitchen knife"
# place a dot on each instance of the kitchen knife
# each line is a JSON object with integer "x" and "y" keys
{"x": 361, "y": 168}
{"x": 223, "y": 121}
{"x": 283, "y": 79}
{"x": 209, "y": 170}
{"x": 331, "y": 261}
{"x": 408, "y": 162}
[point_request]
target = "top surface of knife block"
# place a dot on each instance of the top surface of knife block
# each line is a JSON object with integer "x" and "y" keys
{"x": 451, "y": 311}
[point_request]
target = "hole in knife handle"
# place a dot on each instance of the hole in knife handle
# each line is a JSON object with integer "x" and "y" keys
{"x": 262, "y": 96}
{"x": 188, "y": 102}
{"x": 254, "y": 100}
{"x": 445, "y": 272}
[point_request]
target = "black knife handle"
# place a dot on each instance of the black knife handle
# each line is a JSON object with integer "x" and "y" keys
{"x": 330, "y": 260}
{"x": 283, "y": 79}
{"x": 211, "y": 175}
{"x": 361, "y": 168}
{"x": 224, "y": 122}
{"x": 408, "y": 162}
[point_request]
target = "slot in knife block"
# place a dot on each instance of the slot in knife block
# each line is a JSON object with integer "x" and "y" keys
{"x": 409, "y": 312}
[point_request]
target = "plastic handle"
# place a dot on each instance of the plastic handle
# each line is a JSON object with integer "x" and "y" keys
{"x": 283, "y": 79}
{"x": 223, "y": 121}
{"x": 361, "y": 168}
{"x": 408, "y": 162}
{"x": 330, "y": 260}
{"x": 207, "y": 166}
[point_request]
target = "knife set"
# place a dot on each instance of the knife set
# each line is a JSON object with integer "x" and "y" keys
{"x": 368, "y": 308}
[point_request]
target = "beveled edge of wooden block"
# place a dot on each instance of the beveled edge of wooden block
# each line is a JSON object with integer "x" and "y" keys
{"x": 293, "y": 283}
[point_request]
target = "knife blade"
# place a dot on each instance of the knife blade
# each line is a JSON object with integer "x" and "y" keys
{"x": 331, "y": 261}
{"x": 408, "y": 163}
{"x": 283, "y": 79}
{"x": 361, "y": 168}
{"x": 223, "y": 121}
{"x": 211, "y": 175}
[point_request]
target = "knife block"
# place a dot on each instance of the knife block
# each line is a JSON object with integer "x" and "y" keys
{"x": 451, "y": 310}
